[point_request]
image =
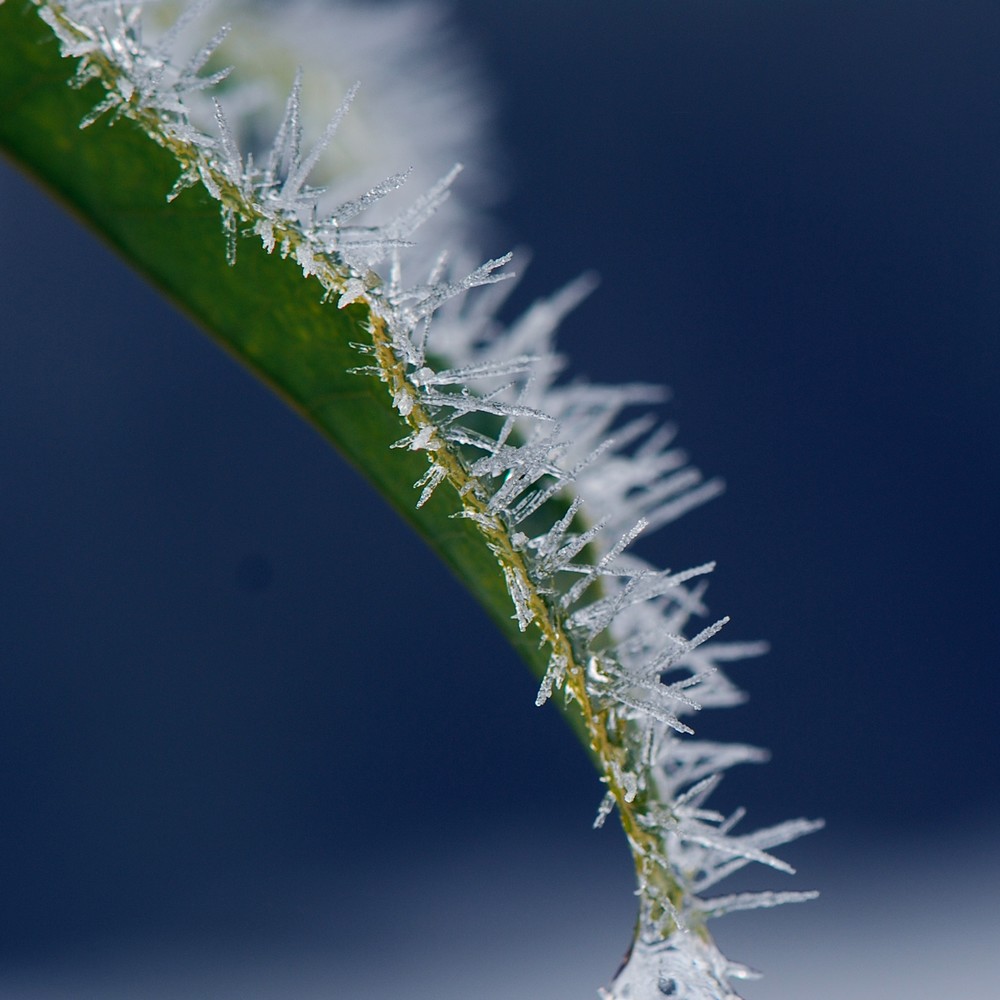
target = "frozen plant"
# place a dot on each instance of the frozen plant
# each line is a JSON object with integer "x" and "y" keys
{"x": 554, "y": 478}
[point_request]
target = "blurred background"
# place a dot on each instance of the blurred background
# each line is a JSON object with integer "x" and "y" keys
{"x": 256, "y": 742}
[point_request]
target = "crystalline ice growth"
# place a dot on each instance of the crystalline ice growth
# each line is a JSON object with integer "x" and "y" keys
{"x": 560, "y": 476}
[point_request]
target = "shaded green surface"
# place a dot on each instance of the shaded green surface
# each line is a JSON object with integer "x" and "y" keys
{"x": 261, "y": 310}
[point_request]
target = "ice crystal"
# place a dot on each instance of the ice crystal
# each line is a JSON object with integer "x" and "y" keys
{"x": 555, "y": 478}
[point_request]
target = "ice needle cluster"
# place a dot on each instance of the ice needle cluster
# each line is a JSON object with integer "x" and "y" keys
{"x": 556, "y": 476}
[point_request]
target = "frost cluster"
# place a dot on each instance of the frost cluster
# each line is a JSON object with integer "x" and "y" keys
{"x": 556, "y": 475}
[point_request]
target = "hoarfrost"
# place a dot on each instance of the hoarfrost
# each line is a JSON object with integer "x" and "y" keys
{"x": 604, "y": 809}
{"x": 560, "y": 490}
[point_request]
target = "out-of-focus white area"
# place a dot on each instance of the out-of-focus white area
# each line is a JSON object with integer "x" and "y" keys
{"x": 896, "y": 920}
{"x": 421, "y": 106}
{"x": 514, "y": 917}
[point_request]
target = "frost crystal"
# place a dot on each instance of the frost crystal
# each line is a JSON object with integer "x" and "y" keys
{"x": 556, "y": 480}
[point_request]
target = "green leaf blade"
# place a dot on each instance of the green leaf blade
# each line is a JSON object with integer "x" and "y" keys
{"x": 115, "y": 179}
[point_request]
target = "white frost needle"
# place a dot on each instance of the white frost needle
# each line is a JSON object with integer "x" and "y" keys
{"x": 559, "y": 491}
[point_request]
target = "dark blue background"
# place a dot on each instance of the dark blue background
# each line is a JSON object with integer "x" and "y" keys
{"x": 227, "y": 667}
